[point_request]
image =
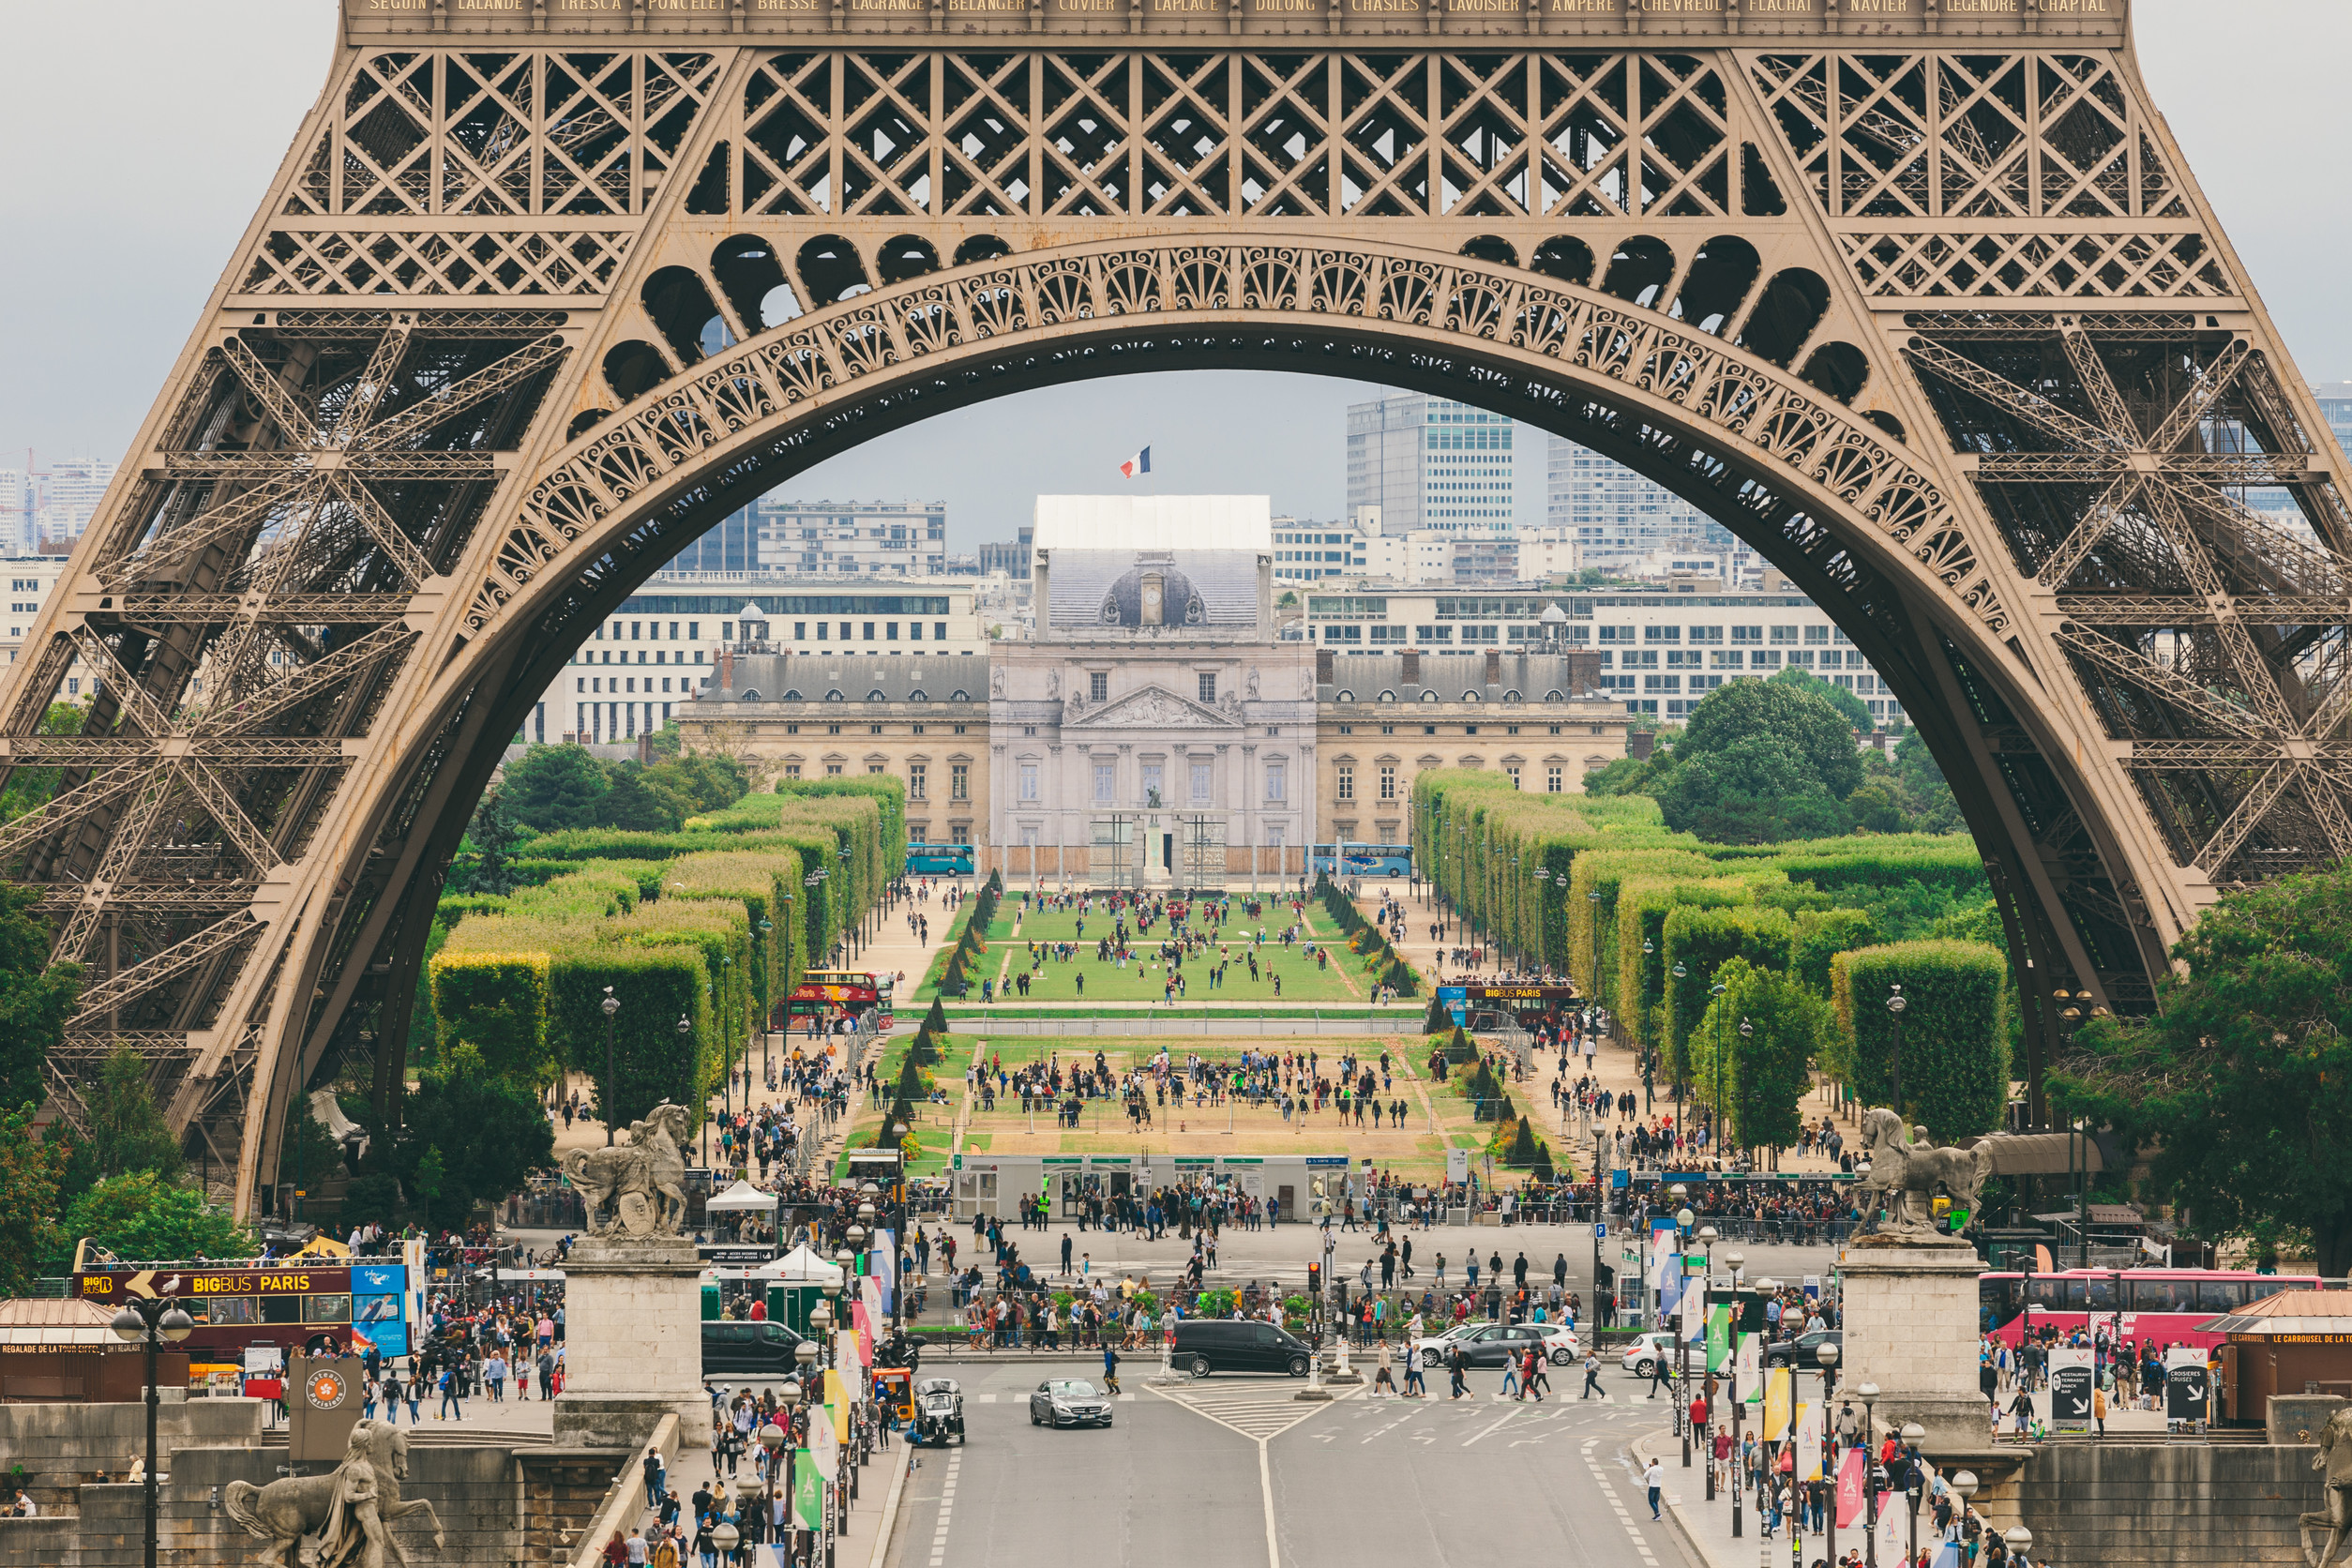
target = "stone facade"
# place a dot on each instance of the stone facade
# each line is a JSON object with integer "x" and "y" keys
{"x": 1910, "y": 1319}
{"x": 922, "y": 721}
{"x": 634, "y": 1346}
{"x": 1382, "y": 720}
{"x": 1157, "y": 732}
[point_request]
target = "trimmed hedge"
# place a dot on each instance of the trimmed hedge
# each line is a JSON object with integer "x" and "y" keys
{"x": 1955, "y": 1032}
{"x": 1702, "y": 940}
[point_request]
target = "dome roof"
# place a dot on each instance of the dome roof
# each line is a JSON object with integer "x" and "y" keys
{"x": 1153, "y": 592}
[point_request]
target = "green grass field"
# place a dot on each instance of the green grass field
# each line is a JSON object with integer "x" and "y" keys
{"x": 1141, "y": 979}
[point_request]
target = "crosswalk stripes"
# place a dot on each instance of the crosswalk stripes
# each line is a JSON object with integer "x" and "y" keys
{"x": 1256, "y": 1410}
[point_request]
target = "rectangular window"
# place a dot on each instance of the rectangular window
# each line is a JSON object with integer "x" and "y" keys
{"x": 1513, "y": 775}
{"x": 1028, "y": 781}
{"x": 1818, "y": 636}
{"x": 1617, "y": 634}
{"x": 694, "y": 631}
{"x": 832, "y": 770}
{"x": 869, "y": 631}
{"x": 822, "y": 628}
{"x": 1347, "y": 787}
{"x": 1209, "y": 686}
{"x": 1551, "y": 781}
{"x": 1764, "y": 658}
{"x": 1662, "y": 634}
{"x": 960, "y": 781}
{"x": 1783, "y": 634}
{"x": 1104, "y": 774}
{"x": 1706, "y": 633}
{"x": 1098, "y": 686}
{"x": 1747, "y": 634}
{"x": 792, "y": 770}
{"x": 890, "y": 632}
{"x": 873, "y": 768}
{"x": 915, "y": 631}
{"x": 1388, "y": 783}
{"x": 917, "y": 776}
{"x": 845, "y": 632}
{"x": 1677, "y": 659}
{"x": 1273, "y": 782}
{"x": 1201, "y": 792}
{"x": 939, "y": 631}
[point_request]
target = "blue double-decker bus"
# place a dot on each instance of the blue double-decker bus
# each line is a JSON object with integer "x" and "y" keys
{"x": 939, "y": 860}
{"x": 1363, "y": 860}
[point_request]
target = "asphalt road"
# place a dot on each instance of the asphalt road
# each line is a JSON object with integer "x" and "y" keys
{"x": 1233, "y": 1470}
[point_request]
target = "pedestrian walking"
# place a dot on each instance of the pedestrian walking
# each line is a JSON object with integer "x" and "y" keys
{"x": 1591, "y": 1376}
{"x": 1455, "y": 1363}
{"x": 1383, "y": 1378}
{"x": 1654, "y": 1478}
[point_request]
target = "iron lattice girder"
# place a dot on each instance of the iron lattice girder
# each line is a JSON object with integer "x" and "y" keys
{"x": 1145, "y": 219}
{"x": 2157, "y": 610}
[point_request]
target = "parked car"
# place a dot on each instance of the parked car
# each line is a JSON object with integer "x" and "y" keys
{"x": 1643, "y": 1356}
{"x": 1488, "y": 1344}
{"x": 753, "y": 1349}
{"x": 1068, "y": 1402}
{"x": 1206, "y": 1344}
{"x": 1804, "y": 1350}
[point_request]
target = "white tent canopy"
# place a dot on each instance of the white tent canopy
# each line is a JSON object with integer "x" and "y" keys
{"x": 741, "y": 1197}
{"x": 801, "y": 1266}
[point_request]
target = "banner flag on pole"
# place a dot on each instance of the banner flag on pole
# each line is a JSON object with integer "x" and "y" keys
{"x": 809, "y": 1492}
{"x": 1780, "y": 1388}
{"x": 1718, "y": 1339}
{"x": 1850, "y": 1501}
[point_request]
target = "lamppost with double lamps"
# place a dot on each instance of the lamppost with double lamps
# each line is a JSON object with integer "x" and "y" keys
{"x": 151, "y": 1321}
{"x": 1708, "y": 1236}
{"x": 1869, "y": 1393}
{"x": 1714, "y": 1127}
{"x": 1747, "y": 1032}
{"x": 686, "y": 1049}
{"x": 1738, "y": 1260}
{"x": 1680, "y": 972}
{"x": 1684, "y": 1220}
{"x": 611, "y": 1004}
{"x": 1826, "y": 1356}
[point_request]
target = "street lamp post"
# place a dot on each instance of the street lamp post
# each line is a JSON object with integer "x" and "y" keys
{"x": 1736, "y": 1260}
{"x": 786, "y": 1396}
{"x": 1964, "y": 1486}
{"x": 2020, "y": 1541}
{"x": 1896, "y": 1003}
{"x": 1683, "y": 1219}
{"x": 611, "y": 1004}
{"x": 1708, "y": 1237}
{"x": 686, "y": 1049}
{"x": 1913, "y": 1435}
{"x": 1828, "y": 1356}
{"x": 1714, "y": 1127}
{"x": 151, "y": 1321}
{"x": 1747, "y": 1032}
{"x": 1593, "y": 898}
{"x": 1869, "y": 1393}
{"x": 1765, "y": 1286}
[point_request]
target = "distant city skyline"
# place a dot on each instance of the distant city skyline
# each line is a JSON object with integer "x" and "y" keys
{"x": 120, "y": 246}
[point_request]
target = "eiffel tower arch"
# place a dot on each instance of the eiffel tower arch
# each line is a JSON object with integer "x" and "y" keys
{"x": 1918, "y": 296}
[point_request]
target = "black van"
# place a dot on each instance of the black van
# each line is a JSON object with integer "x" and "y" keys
{"x": 749, "y": 1349}
{"x": 1206, "y": 1344}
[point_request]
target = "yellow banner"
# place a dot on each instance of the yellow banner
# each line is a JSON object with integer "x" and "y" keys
{"x": 838, "y": 1401}
{"x": 1779, "y": 1394}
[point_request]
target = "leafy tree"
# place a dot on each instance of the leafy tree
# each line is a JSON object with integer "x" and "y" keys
{"x": 128, "y": 1132}
{"x": 641, "y": 804}
{"x": 34, "y": 1000}
{"x": 1849, "y": 707}
{"x": 1955, "y": 1035}
{"x": 550, "y": 788}
{"x": 1790, "y": 717}
{"x": 1631, "y": 776}
{"x": 2239, "y": 1080}
{"x": 142, "y": 1215}
{"x": 1755, "y": 790}
{"x": 1766, "y": 1070}
{"x": 466, "y": 1136}
{"x": 309, "y": 1156}
{"x": 493, "y": 836}
{"x": 1876, "y": 806}
{"x": 1927, "y": 798}
{"x": 1523, "y": 1146}
{"x": 32, "y": 1182}
{"x": 31, "y": 788}
{"x": 706, "y": 780}
{"x": 372, "y": 1198}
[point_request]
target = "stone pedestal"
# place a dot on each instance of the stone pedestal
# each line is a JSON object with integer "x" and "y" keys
{"x": 632, "y": 1343}
{"x": 1911, "y": 1324}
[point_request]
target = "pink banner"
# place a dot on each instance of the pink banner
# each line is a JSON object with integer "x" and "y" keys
{"x": 864, "y": 1334}
{"x": 1849, "y": 1488}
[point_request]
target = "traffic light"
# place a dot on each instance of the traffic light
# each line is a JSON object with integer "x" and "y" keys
{"x": 1314, "y": 1280}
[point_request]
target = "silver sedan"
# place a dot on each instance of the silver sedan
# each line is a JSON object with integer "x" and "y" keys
{"x": 1068, "y": 1402}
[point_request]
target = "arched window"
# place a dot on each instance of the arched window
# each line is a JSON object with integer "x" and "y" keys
{"x": 1466, "y": 697}
{"x": 917, "y": 695}
{"x": 748, "y": 696}
{"x": 833, "y": 695}
{"x": 1551, "y": 696}
{"x": 1388, "y": 697}
{"x": 876, "y": 696}
{"x": 959, "y": 695}
{"x": 1428, "y": 696}
{"x": 1347, "y": 697}
{"x": 1511, "y": 697}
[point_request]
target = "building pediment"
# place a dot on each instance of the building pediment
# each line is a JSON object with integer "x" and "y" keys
{"x": 1153, "y": 708}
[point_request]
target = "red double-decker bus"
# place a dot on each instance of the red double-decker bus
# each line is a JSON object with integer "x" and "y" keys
{"x": 830, "y": 993}
{"x": 239, "y": 1304}
{"x": 2164, "y": 1304}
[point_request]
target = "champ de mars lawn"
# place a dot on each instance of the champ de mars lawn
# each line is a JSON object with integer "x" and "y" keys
{"x": 1014, "y": 934}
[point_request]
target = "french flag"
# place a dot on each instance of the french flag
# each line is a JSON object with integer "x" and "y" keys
{"x": 1138, "y": 464}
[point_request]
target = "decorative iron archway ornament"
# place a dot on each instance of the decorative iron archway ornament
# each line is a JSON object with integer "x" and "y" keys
{"x": 1922, "y": 303}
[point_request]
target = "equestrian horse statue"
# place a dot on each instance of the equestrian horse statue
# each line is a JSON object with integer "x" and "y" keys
{"x": 342, "y": 1519}
{"x": 2334, "y": 1462}
{"x": 1900, "y": 1168}
{"x": 644, "y": 1179}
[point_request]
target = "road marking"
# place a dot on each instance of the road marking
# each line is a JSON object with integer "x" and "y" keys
{"x": 985, "y": 1399}
{"x": 1474, "y": 1436}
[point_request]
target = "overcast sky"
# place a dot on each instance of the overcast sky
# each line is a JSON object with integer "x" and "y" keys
{"x": 141, "y": 135}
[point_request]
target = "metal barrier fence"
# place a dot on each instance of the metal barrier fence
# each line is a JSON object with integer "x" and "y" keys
{"x": 1218, "y": 1025}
